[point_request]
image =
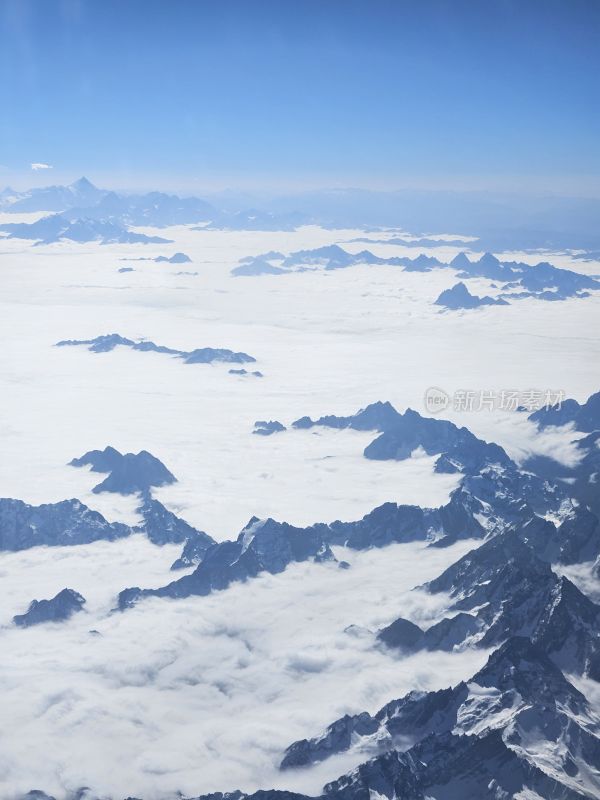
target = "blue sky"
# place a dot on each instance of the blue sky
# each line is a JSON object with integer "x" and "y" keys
{"x": 294, "y": 93}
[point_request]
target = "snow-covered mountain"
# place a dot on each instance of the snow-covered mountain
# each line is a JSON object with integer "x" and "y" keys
{"x": 517, "y": 725}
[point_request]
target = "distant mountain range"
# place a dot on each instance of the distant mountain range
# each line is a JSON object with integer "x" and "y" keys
{"x": 517, "y": 279}
{"x": 57, "y": 227}
{"x": 201, "y": 355}
{"x": 497, "y": 221}
{"x": 84, "y": 213}
{"x": 81, "y": 193}
{"x": 494, "y": 496}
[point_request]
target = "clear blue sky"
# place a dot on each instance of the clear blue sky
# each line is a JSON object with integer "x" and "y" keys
{"x": 301, "y": 92}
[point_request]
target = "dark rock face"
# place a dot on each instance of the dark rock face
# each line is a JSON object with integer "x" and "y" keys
{"x": 129, "y": 473}
{"x": 501, "y": 590}
{"x": 441, "y": 767}
{"x": 446, "y": 767}
{"x": 164, "y": 527}
{"x": 59, "y": 608}
{"x": 384, "y": 525}
{"x": 264, "y": 428}
{"x": 263, "y": 546}
{"x": 402, "y": 634}
{"x": 202, "y": 355}
{"x": 582, "y": 481}
{"x": 401, "y": 434}
{"x": 574, "y": 540}
{"x": 568, "y": 629}
{"x": 445, "y": 635}
{"x": 53, "y": 524}
{"x": 585, "y": 417}
{"x": 473, "y": 577}
{"x": 336, "y": 739}
{"x": 196, "y": 546}
{"x": 461, "y": 450}
{"x": 459, "y": 297}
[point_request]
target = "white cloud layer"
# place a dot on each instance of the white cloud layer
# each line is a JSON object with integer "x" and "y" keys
{"x": 38, "y": 165}
{"x": 203, "y": 694}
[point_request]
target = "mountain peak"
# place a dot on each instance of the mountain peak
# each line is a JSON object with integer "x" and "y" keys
{"x": 82, "y": 184}
{"x": 521, "y": 665}
{"x": 461, "y": 261}
{"x": 488, "y": 258}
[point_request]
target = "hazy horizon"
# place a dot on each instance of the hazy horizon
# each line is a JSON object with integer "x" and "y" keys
{"x": 507, "y": 186}
{"x": 286, "y": 97}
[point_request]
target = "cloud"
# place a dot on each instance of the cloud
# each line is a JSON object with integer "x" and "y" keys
{"x": 202, "y": 694}
{"x": 39, "y": 165}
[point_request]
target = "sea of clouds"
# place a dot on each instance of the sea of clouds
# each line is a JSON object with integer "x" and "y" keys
{"x": 204, "y": 694}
